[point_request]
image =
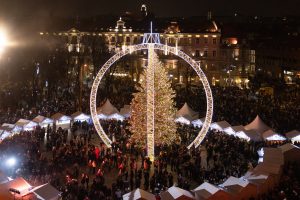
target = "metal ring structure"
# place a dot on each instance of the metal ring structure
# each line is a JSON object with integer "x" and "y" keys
{"x": 144, "y": 46}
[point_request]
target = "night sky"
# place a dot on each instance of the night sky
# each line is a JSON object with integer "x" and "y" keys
{"x": 36, "y": 8}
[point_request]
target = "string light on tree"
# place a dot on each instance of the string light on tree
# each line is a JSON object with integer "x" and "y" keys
{"x": 153, "y": 122}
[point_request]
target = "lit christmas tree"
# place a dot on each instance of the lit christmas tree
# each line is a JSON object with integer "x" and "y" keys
{"x": 164, "y": 109}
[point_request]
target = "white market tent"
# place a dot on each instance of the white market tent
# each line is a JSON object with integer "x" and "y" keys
{"x": 232, "y": 130}
{"x": 293, "y": 135}
{"x": 291, "y": 153}
{"x": 43, "y": 121}
{"x": 186, "y": 111}
{"x": 270, "y": 135}
{"x": 176, "y": 193}
{"x": 208, "y": 191}
{"x": 102, "y": 116}
{"x": 26, "y": 125}
{"x": 108, "y": 111}
{"x": 11, "y": 128}
{"x": 116, "y": 116}
{"x": 46, "y": 192}
{"x": 257, "y": 125}
{"x": 237, "y": 131}
{"x": 61, "y": 120}
{"x": 220, "y": 126}
{"x": 80, "y": 116}
{"x": 240, "y": 187}
{"x": 198, "y": 122}
{"x": 19, "y": 184}
{"x": 4, "y": 133}
{"x": 138, "y": 194}
{"x": 126, "y": 111}
{"x": 184, "y": 120}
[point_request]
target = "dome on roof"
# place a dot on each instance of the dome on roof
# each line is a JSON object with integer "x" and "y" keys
{"x": 209, "y": 26}
{"x": 173, "y": 27}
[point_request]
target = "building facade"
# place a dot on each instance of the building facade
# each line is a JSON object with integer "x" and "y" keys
{"x": 225, "y": 61}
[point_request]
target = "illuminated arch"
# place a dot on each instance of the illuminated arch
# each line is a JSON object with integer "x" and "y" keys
{"x": 167, "y": 49}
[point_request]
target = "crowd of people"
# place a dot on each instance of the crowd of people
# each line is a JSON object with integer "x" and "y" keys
{"x": 274, "y": 109}
{"x": 81, "y": 167}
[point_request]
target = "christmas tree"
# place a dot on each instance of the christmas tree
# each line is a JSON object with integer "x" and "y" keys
{"x": 164, "y": 109}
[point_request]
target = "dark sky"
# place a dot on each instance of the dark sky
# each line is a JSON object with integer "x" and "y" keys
{"x": 34, "y": 8}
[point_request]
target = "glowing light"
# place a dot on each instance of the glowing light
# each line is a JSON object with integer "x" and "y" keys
{"x": 150, "y": 102}
{"x": 145, "y": 46}
{"x": 3, "y": 40}
{"x": 11, "y": 162}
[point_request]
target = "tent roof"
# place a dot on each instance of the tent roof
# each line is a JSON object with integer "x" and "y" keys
{"x": 269, "y": 168}
{"x": 22, "y": 122}
{"x": 223, "y": 124}
{"x": 116, "y": 116}
{"x": 138, "y": 194}
{"x": 58, "y": 116}
{"x": 184, "y": 119}
{"x": 39, "y": 119}
{"x": 198, "y": 122}
{"x": 46, "y": 191}
{"x": 42, "y": 119}
{"x": 287, "y": 147}
{"x": 107, "y": 108}
{"x": 243, "y": 135}
{"x": 253, "y": 135}
{"x": 78, "y": 113}
{"x": 7, "y": 127}
{"x": 235, "y": 181}
{"x": 273, "y": 156}
{"x": 292, "y": 134}
{"x": 258, "y": 125}
{"x": 252, "y": 175}
{"x": 185, "y": 110}
{"x": 271, "y": 135}
{"x": 212, "y": 189}
{"x": 238, "y": 128}
{"x": 175, "y": 193}
{"x": 125, "y": 110}
{"x": 19, "y": 184}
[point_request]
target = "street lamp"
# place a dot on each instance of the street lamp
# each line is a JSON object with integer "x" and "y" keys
{"x": 11, "y": 162}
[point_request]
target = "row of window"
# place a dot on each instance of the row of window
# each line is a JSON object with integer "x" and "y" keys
{"x": 169, "y": 41}
{"x": 205, "y": 53}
